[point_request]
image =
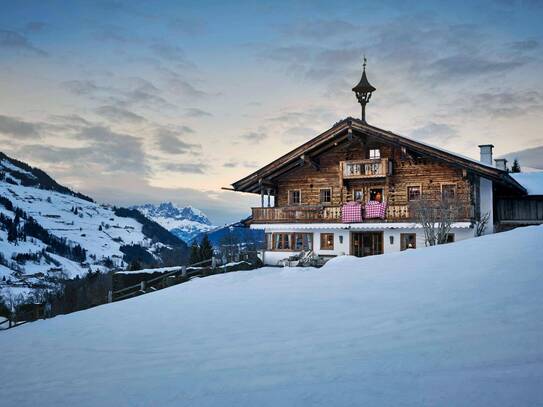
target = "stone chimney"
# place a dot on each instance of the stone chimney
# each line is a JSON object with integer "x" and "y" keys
{"x": 501, "y": 164}
{"x": 486, "y": 153}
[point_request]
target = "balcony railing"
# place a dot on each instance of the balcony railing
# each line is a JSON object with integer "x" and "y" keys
{"x": 374, "y": 168}
{"x": 324, "y": 214}
{"x": 332, "y": 214}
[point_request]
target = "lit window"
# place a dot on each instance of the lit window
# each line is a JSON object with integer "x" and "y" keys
{"x": 413, "y": 193}
{"x": 375, "y": 154}
{"x": 408, "y": 241}
{"x": 295, "y": 197}
{"x": 448, "y": 191}
{"x": 376, "y": 194}
{"x": 326, "y": 195}
{"x": 327, "y": 241}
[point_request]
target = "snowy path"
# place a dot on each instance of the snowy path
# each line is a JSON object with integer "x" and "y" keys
{"x": 456, "y": 325}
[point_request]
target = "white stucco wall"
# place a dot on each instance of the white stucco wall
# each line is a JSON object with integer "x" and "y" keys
{"x": 342, "y": 240}
{"x": 486, "y": 201}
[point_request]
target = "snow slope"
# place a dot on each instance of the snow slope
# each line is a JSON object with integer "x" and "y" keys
{"x": 453, "y": 325}
{"x": 184, "y": 222}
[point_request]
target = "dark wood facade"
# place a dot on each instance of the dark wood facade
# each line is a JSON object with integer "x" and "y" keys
{"x": 354, "y": 160}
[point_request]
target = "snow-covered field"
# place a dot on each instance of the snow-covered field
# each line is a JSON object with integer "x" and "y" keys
{"x": 453, "y": 325}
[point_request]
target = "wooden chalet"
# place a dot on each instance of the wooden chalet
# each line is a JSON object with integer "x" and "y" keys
{"x": 304, "y": 193}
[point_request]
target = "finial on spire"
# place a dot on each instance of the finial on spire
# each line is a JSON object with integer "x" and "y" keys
{"x": 363, "y": 90}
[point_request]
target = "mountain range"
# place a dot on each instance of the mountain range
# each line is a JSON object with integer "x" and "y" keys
{"x": 50, "y": 233}
{"x": 187, "y": 223}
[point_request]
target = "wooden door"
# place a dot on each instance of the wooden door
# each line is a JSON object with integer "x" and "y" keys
{"x": 366, "y": 243}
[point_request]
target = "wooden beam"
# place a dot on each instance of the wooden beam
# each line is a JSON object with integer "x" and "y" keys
{"x": 307, "y": 159}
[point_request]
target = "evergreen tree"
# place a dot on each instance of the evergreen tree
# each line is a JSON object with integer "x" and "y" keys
{"x": 194, "y": 253}
{"x": 12, "y": 232}
{"x": 206, "y": 249}
{"x": 516, "y": 166}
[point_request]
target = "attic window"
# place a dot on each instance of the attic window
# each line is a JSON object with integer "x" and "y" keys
{"x": 448, "y": 191}
{"x": 375, "y": 154}
{"x": 326, "y": 195}
{"x": 294, "y": 197}
{"x": 413, "y": 193}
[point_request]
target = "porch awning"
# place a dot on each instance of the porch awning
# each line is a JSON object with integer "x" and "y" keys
{"x": 349, "y": 226}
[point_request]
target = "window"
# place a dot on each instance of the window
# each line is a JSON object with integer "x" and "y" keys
{"x": 294, "y": 197}
{"x": 281, "y": 241}
{"x": 375, "y": 153}
{"x": 376, "y": 194}
{"x": 327, "y": 241}
{"x": 448, "y": 191}
{"x": 358, "y": 195}
{"x": 303, "y": 241}
{"x": 408, "y": 241}
{"x": 326, "y": 195}
{"x": 413, "y": 193}
{"x": 292, "y": 241}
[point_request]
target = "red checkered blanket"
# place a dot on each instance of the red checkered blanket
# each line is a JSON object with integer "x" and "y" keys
{"x": 351, "y": 212}
{"x": 375, "y": 210}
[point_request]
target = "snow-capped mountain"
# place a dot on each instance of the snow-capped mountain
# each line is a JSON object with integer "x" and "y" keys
{"x": 184, "y": 222}
{"x": 49, "y": 232}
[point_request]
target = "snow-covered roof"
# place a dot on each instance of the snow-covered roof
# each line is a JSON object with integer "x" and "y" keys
{"x": 532, "y": 181}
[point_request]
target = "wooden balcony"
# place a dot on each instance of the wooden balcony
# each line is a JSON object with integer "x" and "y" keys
{"x": 356, "y": 169}
{"x": 332, "y": 214}
{"x": 320, "y": 214}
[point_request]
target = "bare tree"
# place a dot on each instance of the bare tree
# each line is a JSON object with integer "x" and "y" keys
{"x": 436, "y": 217}
{"x": 480, "y": 226}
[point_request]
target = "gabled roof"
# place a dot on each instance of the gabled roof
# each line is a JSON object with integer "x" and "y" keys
{"x": 341, "y": 131}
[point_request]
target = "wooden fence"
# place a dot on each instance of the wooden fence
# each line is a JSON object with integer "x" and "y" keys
{"x": 173, "y": 277}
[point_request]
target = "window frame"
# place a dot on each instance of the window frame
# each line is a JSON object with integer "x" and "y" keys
{"x": 419, "y": 186}
{"x": 375, "y": 157}
{"x": 403, "y": 246}
{"x": 290, "y": 192}
{"x": 370, "y": 189}
{"x": 361, "y": 190}
{"x": 292, "y": 239}
{"x": 448, "y": 184}
{"x": 321, "y": 190}
{"x": 323, "y": 239}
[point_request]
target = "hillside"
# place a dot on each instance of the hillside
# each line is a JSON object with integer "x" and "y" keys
{"x": 458, "y": 324}
{"x": 186, "y": 222}
{"x": 49, "y": 233}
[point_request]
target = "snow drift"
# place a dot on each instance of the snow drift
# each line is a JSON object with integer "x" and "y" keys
{"x": 453, "y": 325}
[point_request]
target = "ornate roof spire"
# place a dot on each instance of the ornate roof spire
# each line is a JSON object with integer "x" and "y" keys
{"x": 363, "y": 90}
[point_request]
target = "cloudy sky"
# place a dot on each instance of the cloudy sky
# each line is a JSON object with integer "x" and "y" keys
{"x": 134, "y": 102}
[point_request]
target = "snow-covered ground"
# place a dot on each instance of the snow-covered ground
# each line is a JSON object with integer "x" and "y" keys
{"x": 453, "y": 325}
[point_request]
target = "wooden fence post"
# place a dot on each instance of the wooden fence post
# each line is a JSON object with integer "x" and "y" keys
{"x": 110, "y": 296}
{"x": 184, "y": 271}
{"x": 213, "y": 262}
{"x": 142, "y": 286}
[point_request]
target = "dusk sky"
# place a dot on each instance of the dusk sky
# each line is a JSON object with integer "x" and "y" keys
{"x": 134, "y": 102}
